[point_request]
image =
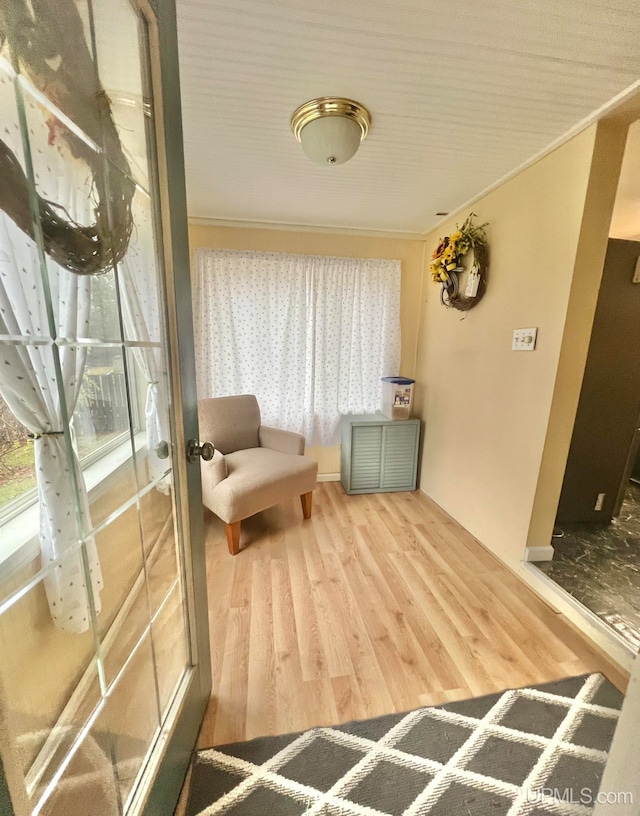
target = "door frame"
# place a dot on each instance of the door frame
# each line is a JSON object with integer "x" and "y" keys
{"x": 170, "y": 759}
{"x": 180, "y": 735}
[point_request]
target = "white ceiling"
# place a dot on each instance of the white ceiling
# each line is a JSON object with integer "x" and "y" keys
{"x": 460, "y": 95}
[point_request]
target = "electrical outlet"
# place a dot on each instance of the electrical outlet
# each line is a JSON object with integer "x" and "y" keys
{"x": 524, "y": 339}
{"x": 599, "y": 501}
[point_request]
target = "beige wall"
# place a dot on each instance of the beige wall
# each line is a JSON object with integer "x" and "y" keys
{"x": 408, "y": 251}
{"x": 486, "y": 409}
{"x": 592, "y": 245}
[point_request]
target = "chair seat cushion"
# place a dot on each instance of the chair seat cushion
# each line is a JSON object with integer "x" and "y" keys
{"x": 258, "y": 478}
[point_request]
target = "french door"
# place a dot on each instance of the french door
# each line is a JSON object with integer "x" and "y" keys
{"x": 100, "y": 705}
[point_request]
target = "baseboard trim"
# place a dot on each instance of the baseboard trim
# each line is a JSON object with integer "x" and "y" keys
{"x": 328, "y": 477}
{"x": 544, "y": 553}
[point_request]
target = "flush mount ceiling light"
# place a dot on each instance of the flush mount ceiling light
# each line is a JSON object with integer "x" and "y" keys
{"x": 330, "y": 128}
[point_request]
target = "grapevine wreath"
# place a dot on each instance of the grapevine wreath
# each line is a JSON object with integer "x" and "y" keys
{"x": 46, "y": 41}
{"x": 447, "y": 265}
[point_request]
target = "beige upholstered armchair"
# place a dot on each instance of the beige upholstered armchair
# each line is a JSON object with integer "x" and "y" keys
{"x": 254, "y": 467}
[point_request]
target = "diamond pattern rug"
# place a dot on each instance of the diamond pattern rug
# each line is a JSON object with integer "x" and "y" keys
{"x": 536, "y": 751}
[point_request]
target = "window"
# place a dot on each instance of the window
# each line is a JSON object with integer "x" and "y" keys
{"x": 100, "y": 422}
{"x": 310, "y": 336}
{"x": 100, "y": 419}
{"x": 17, "y": 473}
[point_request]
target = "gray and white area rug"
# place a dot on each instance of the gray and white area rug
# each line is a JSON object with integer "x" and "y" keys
{"x": 527, "y": 752}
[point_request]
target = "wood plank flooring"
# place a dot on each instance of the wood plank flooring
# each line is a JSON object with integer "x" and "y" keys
{"x": 379, "y": 603}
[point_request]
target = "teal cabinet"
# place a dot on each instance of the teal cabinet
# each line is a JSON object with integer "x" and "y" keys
{"x": 378, "y": 455}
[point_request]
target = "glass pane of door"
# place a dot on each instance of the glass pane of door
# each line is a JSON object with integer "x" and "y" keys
{"x": 94, "y": 621}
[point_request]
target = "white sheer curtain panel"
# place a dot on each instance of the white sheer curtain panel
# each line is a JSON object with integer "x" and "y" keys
{"x": 310, "y": 336}
{"x": 28, "y": 378}
{"x": 29, "y": 386}
{"x": 142, "y": 319}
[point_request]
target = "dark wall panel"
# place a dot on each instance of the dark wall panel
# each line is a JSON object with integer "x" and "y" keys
{"x": 610, "y": 398}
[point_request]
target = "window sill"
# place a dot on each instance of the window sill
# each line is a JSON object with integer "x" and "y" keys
{"x": 19, "y": 537}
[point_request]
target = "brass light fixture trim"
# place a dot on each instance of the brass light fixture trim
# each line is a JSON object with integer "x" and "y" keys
{"x": 330, "y": 106}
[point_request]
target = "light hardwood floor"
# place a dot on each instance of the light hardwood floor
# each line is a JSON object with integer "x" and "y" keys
{"x": 379, "y": 603}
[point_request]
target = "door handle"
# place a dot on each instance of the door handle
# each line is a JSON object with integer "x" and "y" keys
{"x": 205, "y": 450}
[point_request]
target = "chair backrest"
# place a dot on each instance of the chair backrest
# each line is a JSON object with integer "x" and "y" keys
{"x": 231, "y": 423}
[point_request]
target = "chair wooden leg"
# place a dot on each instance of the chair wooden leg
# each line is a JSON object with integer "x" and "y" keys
{"x": 233, "y": 537}
{"x": 307, "y": 500}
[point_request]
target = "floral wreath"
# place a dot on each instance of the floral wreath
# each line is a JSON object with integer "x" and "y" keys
{"x": 446, "y": 265}
{"x": 49, "y": 45}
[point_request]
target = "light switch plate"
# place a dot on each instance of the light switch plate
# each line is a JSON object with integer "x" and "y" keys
{"x": 636, "y": 274}
{"x": 524, "y": 339}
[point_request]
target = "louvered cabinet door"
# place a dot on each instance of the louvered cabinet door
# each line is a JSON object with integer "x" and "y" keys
{"x": 366, "y": 457}
{"x": 378, "y": 455}
{"x": 399, "y": 452}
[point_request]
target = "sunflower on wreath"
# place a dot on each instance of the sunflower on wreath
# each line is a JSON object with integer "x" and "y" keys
{"x": 452, "y": 248}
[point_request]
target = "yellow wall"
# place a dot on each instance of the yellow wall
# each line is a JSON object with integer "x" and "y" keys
{"x": 606, "y": 164}
{"x": 408, "y": 251}
{"x": 486, "y": 409}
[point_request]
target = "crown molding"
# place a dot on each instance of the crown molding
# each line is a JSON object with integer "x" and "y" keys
{"x": 202, "y": 221}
